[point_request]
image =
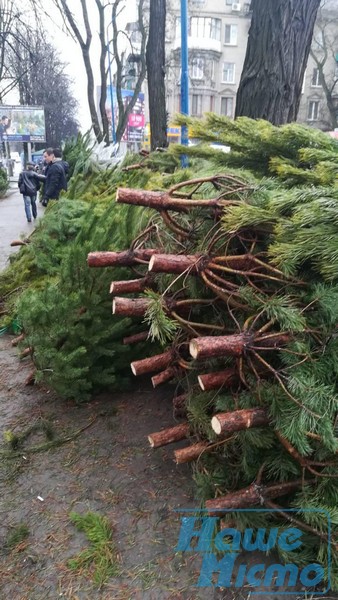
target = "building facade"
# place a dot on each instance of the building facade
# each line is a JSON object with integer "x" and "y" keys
{"x": 217, "y": 39}
{"x": 217, "y": 35}
{"x": 319, "y": 102}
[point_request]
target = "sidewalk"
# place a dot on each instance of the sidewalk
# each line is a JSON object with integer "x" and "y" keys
{"x": 13, "y": 222}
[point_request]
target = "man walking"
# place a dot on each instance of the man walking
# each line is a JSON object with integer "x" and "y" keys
{"x": 55, "y": 178}
{"x": 29, "y": 184}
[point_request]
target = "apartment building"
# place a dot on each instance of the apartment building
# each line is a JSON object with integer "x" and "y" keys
{"x": 217, "y": 39}
{"x": 320, "y": 87}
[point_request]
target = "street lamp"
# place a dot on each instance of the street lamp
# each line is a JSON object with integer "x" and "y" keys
{"x": 184, "y": 77}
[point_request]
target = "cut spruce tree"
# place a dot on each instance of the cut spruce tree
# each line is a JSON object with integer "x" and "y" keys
{"x": 76, "y": 346}
{"x": 243, "y": 297}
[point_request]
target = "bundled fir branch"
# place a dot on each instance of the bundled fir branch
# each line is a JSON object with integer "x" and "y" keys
{"x": 293, "y": 153}
{"x": 77, "y": 348}
{"x": 258, "y": 278}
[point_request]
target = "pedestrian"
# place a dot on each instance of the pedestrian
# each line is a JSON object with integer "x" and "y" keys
{"x": 55, "y": 177}
{"x": 4, "y": 125}
{"x": 29, "y": 184}
{"x": 64, "y": 163}
{"x": 44, "y": 163}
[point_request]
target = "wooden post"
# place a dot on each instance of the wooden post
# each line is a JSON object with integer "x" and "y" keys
{"x": 218, "y": 379}
{"x": 128, "y": 258}
{"x": 174, "y": 263}
{"x": 133, "y": 286}
{"x": 164, "y": 376}
{"x": 152, "y": 363}
{"x": 163, "y": 201}
{"x": 190, "y": 453}
{"x": 223, "y": 345}
{"x": 253, "y": 495}
{"x": 168, "y": 436}
{"x": 130, "y": 307}
{"x": 237, "y": 420}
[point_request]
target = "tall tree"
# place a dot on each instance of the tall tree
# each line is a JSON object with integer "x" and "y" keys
{"x": 42, "y": 80}
{"x": 125, "y": 109}
{"x": 155, "y": 56}
{"x": 84, "y": 40}
{"x": 277, "y": 52}
{"x": 83, "y": 27}
{"x": 15, "y": 33}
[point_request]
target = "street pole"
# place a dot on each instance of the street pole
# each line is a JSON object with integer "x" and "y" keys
{"x": 111, "y": 90}
{"x": 184, "y": 77}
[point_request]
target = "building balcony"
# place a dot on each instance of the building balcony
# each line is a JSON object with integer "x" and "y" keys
{"x": 195, "y": 43}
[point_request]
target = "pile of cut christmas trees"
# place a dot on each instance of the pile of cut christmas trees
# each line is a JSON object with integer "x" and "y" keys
{"x": 236, "y": 275}
{"x": 75, "y": 345}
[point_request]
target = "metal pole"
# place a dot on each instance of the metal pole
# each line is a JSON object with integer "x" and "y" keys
{"x": 184, "y": 77}
{"x": 111, "y": 91}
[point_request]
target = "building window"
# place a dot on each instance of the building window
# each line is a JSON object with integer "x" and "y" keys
{"x": 230, "y": 37}
{"x": 197, "y": 68}
{"x": 212, "y": 70}
{"x": 212, "y": 103}
{"x": 313, "y": 110}
{"x": 228, "y": 73}
{"x": 227, "y": 106}
{"x": 228, "y": 2}
{"x": 315, "y": 81}
{"x": 205, "y": 27}
{"x": 196, "y": 105}
{"x": 215, "y": 29}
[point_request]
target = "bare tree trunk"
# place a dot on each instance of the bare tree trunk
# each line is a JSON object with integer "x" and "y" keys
{"x": 85, "y": 44}
{"x": 155, "y": 57}
{"x": 124, "y": 111}
{"x": 103, "y": 73}
{"x": 278, "y": 48}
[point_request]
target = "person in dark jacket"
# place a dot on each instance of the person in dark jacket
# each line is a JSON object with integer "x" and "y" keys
{"x": 58, "y": 157}
{"x": 55, "y": 178}
{"x": 29, "y": 184}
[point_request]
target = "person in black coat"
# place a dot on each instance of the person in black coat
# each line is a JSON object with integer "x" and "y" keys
{"x": 29, "y": 184}
{"x": 58, "y": 157}
{"x": 55, "y": 178}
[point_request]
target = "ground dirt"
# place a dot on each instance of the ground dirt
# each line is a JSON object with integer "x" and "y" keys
{"x": 109, "y": 469}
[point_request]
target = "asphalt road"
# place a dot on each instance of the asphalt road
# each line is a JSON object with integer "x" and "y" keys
{"x": 13, "y": 223}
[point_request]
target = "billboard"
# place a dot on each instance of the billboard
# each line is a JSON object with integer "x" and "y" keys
{"x": 22, "y": 124}
{"x": 134, "y": 131}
